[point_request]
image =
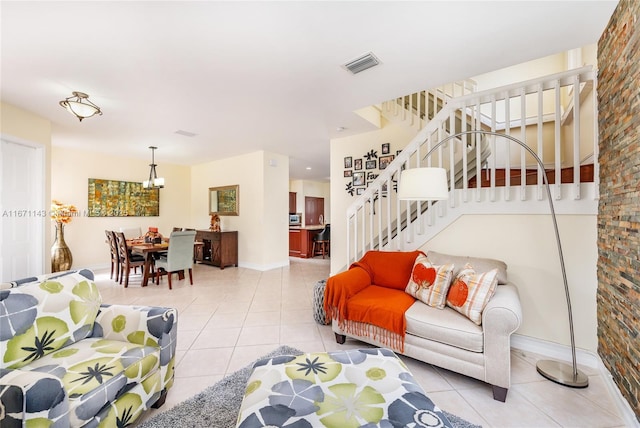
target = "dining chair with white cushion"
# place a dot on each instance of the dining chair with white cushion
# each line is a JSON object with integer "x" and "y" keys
{"x": 179, "y": 256}
{"x": 131, "y": 232}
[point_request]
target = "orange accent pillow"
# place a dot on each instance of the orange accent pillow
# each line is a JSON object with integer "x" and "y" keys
{"x": 429, "y": 283}
{"x": 471, "y": 291}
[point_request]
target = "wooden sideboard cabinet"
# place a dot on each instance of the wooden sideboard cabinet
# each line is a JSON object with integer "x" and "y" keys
{"x": 218, "y": 249}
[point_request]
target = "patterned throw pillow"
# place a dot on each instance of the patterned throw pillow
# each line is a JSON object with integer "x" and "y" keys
{"x": 429, "y": 283}
{"x": 471, "y": 291}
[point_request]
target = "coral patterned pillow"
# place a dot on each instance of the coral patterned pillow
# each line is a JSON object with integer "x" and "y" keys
{"x": 429, "y": 283}
{"x": 471, "y": 291}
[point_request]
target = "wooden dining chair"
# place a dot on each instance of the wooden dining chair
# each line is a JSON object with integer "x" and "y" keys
{"x": 179, "y": 256}
{"x": 115, "y": 259}
{"x": 127, "y": 260}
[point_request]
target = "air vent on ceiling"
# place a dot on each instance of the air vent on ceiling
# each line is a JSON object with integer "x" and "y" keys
{"x": 362, "y": 63}
{"x": 185, "y": 133}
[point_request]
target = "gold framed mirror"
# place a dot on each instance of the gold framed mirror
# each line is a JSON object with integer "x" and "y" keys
{"x": 224, "y": 200}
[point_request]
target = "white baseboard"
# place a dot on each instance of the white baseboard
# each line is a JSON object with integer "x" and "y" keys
{"x": 584, "y": 358}
{"x": 263, "y": 268}
{"x": 554, "y": 350}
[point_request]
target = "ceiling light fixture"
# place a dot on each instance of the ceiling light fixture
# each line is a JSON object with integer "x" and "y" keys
{"x": 79, "y": 105}
{"x": 153, "y": 182}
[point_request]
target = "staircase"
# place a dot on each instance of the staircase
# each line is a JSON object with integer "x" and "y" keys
{"x": 554, "y": 115}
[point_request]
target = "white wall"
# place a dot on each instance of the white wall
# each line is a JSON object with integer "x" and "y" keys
{"x": 264, "y": 204}
{"x": 70, "y": 173}
{"x": 527, "y": 244}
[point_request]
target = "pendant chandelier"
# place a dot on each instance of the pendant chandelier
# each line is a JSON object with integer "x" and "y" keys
{"x": 79, "y": 105}
{"x": 154, "y": 182}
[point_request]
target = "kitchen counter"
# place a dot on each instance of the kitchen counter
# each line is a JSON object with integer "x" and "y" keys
{"x": 301, "y": 240}
{"x": 309, "y": 227}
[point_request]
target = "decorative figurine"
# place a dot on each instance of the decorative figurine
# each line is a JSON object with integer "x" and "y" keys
{"x": 215, "y": 223}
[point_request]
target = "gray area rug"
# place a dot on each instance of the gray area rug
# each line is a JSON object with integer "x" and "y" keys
{"x": 218, "y": 405}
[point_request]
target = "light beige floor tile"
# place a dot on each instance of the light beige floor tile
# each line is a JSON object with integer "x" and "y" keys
{"x": 566, "y": 406}
{"x": 517, "y": 411}
{"x": 217, "y": 338}
{"x": 523, "y": 370}
{"x": 262, "y": 318}
{"x": 200, "y": 309}
{"x": 265, "y": 304}
{"x": 192, "y": 322}
{"x": 204, "y": 362}
{"x": 228, "y": 319}
{"x": 460, "y": 382}
{"x": 452, "y": 402}
{"x": 312, "y": 346}
{"x": 259, "y": 335}
{"x": 426, "y": 376}
{"x": 186, "y": 338}
{"x": 300, "y": 333}
{"x": 290, "y": 316}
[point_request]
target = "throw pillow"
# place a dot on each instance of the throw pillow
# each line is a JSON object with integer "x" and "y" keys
{"x": 471, "y": 291}
{"x": 429, "y": 283}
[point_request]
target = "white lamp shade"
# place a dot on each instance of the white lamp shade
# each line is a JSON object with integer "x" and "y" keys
{"x": 157, "y": 182}
{"x": 423, "y": 184}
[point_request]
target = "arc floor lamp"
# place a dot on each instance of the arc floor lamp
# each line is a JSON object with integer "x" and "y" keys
{"x": 430, "y": 183}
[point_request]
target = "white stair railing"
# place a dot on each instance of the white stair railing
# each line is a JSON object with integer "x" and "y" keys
{"x": 420, "y": 107}
{"x": 533, "y": 111}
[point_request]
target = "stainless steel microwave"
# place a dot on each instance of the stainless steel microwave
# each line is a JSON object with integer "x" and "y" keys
{"x": 295, "y": 219}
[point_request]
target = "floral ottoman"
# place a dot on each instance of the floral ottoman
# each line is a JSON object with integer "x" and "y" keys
{"x": 364, "y": 387}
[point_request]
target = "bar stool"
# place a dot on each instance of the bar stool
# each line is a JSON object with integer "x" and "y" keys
{"x": 322, "y": 241}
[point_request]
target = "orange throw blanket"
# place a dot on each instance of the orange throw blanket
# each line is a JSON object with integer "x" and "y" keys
{"x": 369, "y": 298}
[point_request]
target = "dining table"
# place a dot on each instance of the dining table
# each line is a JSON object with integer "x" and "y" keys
{"x": 148, "y": 251}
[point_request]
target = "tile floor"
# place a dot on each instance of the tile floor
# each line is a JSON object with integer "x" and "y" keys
{"x": 230, "y": 317}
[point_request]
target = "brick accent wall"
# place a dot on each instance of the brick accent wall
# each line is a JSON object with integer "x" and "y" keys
{"x": 618, "y": 297}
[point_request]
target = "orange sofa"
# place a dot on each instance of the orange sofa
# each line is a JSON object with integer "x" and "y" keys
{"x": 368, "y": 302}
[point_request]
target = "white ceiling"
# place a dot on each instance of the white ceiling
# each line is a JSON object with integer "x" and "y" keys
{"x": 247, "y": 76}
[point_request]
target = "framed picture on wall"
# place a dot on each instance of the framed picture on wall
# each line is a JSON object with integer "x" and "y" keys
{"x": 358, "y": 179}
{"x": 386, "y": 148}
{"x": 385, "y": 161}
{"x": 348, "y": 173}
{"x": 224, "y": 200}
{"x": 370, "y": 164}
{"x": 348, "y": 162}
{"x": 357, "y": 164}
{"x": 359, "y": 190}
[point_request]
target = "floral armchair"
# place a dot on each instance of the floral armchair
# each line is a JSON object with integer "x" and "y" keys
{"x": 69, "y": 361}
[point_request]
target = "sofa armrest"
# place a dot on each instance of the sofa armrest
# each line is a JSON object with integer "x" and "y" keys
{"x": 32, "y": 398}
{"x": 142, "y": 325}
{"x": 501, "y": 317}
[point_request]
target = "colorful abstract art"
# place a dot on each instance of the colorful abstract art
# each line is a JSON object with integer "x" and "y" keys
{"x": 112, "y": 198}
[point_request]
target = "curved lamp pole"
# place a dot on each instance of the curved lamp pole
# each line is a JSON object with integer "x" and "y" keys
{"x": 555, "y": 371}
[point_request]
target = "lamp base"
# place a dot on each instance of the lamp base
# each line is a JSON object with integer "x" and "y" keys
{"x": 562, "y": 373}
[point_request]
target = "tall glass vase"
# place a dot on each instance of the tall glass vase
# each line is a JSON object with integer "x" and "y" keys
{"x": 61, "y": 257}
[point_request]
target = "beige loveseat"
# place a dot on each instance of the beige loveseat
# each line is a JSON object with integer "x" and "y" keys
{"x": 442, "y": 337}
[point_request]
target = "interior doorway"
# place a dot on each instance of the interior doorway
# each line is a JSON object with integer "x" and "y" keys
{"x": 23, "y": 210}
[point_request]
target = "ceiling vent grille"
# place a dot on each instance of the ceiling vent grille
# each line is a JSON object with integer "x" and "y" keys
{"x": 362, "y": 63}
{"x": 185, "y": 133}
